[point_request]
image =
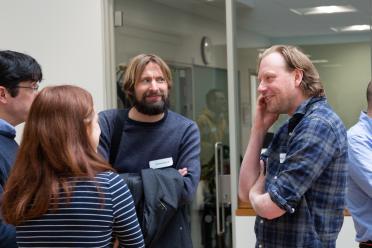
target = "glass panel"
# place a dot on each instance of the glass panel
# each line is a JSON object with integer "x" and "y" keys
{"x": 343, "y": 60}
{"x": 190, "y": 37}
{"x": 212, "y": 119}
{"x": 181, "y": 95}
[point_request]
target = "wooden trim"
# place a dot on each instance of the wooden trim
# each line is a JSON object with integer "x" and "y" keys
{"x": 244, "y": 204}
{"x": 245, "y": 209}
{"x": 245, "y": 212}
{"x": 346, "y": 212}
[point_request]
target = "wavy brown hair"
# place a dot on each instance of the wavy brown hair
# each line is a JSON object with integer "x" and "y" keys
{"x": 135, "y": 69}
{"x": 296, "y": 59}
{"x": 55, "y": 146}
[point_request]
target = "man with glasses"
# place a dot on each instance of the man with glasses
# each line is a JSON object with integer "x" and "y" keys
{"x": 19, "y": 77}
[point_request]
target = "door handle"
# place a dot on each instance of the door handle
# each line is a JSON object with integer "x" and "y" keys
{"x": 218, "y": 165}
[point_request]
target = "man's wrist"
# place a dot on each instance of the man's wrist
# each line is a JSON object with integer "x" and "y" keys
{"x": 258, "y": 134}
{"x": 258, "y": 130}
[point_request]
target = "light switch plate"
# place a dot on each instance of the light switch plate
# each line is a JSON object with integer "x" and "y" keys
{"x": 118, "y": 18}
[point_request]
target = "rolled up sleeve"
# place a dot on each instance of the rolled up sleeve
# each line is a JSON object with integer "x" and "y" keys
{"x": 310, "y": 151}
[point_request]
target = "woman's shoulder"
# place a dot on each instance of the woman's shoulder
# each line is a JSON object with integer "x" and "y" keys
{"x": 111, "y": 178}
{"x": 107, "y": 176}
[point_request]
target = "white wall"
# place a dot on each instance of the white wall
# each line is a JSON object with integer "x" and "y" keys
{"x": 65, "y": 37}
{"x": 345, "y": 76}
{"x": 247, "y": 239}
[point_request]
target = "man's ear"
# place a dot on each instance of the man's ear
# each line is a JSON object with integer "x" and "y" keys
{"x": 3, "y": 94}
{"x": 298, "y": 76}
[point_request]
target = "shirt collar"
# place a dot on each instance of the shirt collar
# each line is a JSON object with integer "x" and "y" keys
{"x": 366, "y": 119}
{"x": 7, "y": 128}
{"x": 307, "y": 103}
{"x": 301, "y": 111}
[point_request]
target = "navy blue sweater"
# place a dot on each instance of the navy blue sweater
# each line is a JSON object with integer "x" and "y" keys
{"x": 8, "y": 151}
{"x": 174, "y": 137}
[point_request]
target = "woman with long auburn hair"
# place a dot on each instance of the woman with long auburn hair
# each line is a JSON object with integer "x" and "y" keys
{"x": 60, "y": 193}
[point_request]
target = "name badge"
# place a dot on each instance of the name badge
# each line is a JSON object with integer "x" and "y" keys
{"x": 282, "y": 157}
{"x": 161, "y": 163}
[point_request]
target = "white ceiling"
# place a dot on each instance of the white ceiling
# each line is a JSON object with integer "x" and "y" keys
{"x": 274, "y": 20}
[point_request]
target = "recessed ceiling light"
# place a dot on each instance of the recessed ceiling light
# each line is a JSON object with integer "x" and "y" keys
{"x": 319, "y": 61}
{"x": 352, "y": 28}
{"x": 324, "y": 10}
{"x": 331, "y": 65}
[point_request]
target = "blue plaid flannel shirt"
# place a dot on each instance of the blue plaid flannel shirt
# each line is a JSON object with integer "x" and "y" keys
{"x": 306, "y": 177}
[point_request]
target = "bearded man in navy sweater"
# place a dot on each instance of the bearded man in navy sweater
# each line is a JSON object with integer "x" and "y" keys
{"x": 152, "y": 136}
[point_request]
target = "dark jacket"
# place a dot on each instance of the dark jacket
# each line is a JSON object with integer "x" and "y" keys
{"x": 8, "y": 150}
{"x": 162, "y": 214}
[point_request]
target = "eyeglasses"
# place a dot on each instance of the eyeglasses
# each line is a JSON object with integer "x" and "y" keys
{"x": 34, "y": 88}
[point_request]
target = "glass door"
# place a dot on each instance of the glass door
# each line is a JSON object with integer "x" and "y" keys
{"x": 211, "y": 211}
{"x": 181, "y": 93}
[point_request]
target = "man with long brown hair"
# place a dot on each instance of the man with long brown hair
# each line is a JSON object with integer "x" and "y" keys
{"x": 297, "y": 187}
{"x": 152, "y": 136}
{"x": 19, "y": 78}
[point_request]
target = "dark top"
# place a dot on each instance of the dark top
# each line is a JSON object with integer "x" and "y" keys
{"x": 8, "y": 151}
{"x": 174, "y": 138}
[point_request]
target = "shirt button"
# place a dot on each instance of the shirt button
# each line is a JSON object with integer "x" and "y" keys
{"x": 260, "y": 245}
{"x": 261, "y": 221}
{"x": 275, "y": 177}
{"x": 181, "y": 228}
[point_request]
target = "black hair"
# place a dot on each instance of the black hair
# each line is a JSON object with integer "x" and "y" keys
{"x": 17, "y": 67}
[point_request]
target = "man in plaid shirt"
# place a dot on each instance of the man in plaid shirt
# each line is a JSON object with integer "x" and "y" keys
{"x": 297, "y": 187}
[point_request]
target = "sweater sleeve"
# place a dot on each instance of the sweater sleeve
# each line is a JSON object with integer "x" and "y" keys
{"x": 125, "y": 227}
{"x": 7, "y": 232}
{"x": 106, "y": 125}
{"x": 190, "y": 158}
{"x": 7, "y": 235}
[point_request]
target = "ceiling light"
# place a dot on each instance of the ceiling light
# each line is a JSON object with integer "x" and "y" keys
{"x": 331, "y": 65}
{"x": 324, "y": 10}
{"x": 319, "y": 61}
{"x": 352, "y": 28}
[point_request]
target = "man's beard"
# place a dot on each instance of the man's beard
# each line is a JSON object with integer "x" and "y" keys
{"x": 151, "y": 108}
